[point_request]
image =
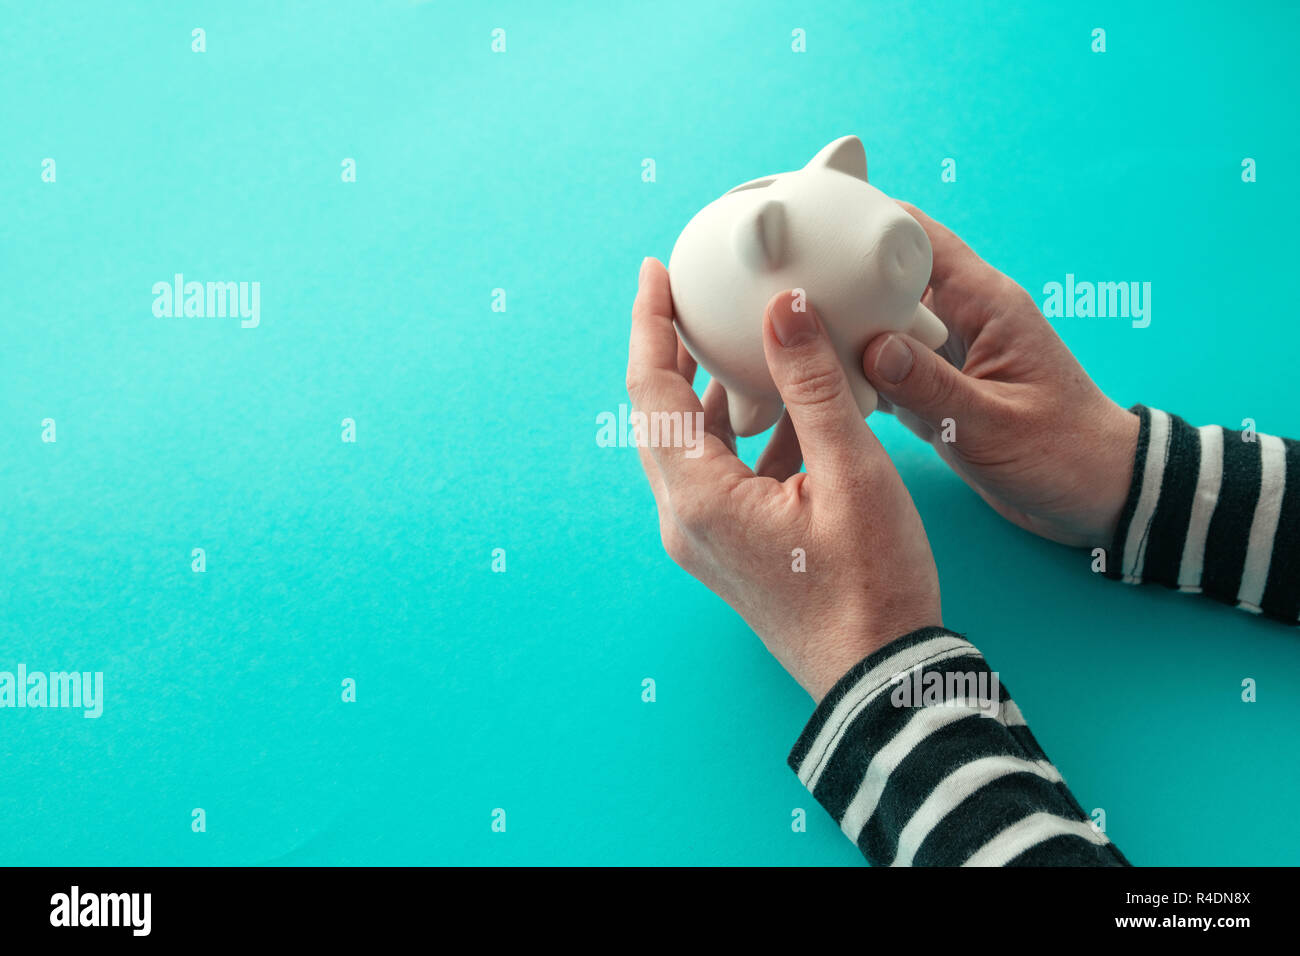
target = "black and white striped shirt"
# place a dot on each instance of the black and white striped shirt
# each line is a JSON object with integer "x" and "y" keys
{"x": 953, "y": 776}
{"x": 1213, "y": 511}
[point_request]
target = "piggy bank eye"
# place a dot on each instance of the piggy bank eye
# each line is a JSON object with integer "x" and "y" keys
{"x": 756, "y": 184}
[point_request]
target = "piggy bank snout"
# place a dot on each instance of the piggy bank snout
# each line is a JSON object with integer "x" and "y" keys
{"x": 903, "y": 255}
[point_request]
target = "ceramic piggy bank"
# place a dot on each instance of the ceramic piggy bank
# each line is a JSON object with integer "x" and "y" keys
{"x": 861, "y": 261}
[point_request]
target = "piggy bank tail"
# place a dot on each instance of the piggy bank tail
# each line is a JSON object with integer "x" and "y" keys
{"x": 927, "y": 328}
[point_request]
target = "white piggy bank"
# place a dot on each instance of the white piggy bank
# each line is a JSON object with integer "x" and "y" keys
{"x": 861, "y": 261}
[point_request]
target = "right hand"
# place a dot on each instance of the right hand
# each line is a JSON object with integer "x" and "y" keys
{"x": 863, "y": 574}
{"x": 1033, "y": 435}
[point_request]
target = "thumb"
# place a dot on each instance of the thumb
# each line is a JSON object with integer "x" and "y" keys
{"x": 919, "y": 380}
{"x": 835, "y": 440}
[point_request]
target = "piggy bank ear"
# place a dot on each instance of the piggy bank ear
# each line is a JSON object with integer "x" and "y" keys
{"x": 760, "y": 236}
{"x": 845, "y": 155}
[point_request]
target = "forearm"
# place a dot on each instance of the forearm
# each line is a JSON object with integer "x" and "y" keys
{"x": 1213, "y": 511}
{"x": 922, "y": 758}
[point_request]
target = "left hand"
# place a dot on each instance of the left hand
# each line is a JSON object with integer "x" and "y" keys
{"x": 870, "y": 576}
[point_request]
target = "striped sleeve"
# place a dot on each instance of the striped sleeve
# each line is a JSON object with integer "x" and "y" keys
{"x": 923, "y": 759}
{"x": 1215, "y": 512}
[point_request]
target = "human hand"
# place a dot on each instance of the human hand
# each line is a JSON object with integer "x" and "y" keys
{"x": 1033, "y": 435}
{"x": 869, "y": 578}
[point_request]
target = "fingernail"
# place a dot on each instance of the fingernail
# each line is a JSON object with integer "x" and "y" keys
{"x": 792, "y": 327}
{"x": 894, "y": 360}
{"x": 645, "y": 267}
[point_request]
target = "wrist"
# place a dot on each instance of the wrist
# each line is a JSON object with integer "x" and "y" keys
{"x": 827, "y": 660}
{"x": 1112, "y": 472}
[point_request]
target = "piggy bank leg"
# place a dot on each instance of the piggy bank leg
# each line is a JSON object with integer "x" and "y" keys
{"x": 750, "y": 415}
{"x": 928, "y": 328}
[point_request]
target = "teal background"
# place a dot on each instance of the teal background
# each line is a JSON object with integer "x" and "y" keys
{"x": 476, "y": 429}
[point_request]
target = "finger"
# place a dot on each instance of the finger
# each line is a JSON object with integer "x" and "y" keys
{"x": 670, "y": 533}
{"x": 832, "y": 435}
{"x": 685, "y": 362}
{"x": 654, "y": 343}
{"x": 683, "y": 450}
{"x": 963, "y": 287}
{"x": 914, "y": 378}
{"x": 655, "y": 479}
{"x": 782, "y": 457}
{"x": 717, "y": 418}
{"x": 917, "y": 427}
